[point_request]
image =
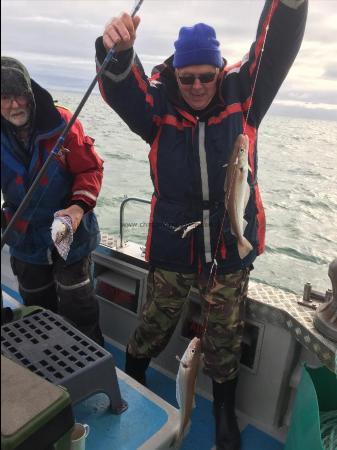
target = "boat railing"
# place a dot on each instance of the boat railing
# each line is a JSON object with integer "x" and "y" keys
{"x": 121, "y": 213}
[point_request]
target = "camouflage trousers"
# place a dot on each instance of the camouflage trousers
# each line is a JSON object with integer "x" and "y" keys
{"x": 222, "y": 309}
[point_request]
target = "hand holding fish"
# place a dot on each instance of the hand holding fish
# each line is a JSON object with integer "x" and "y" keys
{"x": 120, "y": 33}
{"x": 62, "y": 234}
{"x": 75, "y": 212}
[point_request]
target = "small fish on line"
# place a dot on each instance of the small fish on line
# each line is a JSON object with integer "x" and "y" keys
{"x": 185, "y": 387}
{"x": 237, "y": 192}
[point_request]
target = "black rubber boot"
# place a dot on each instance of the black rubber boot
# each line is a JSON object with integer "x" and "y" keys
{"x": 136, "y": 367}
{"x": 227, "y": 433}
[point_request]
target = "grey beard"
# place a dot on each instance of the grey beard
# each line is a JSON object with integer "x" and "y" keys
{"x": 24, "y": 133}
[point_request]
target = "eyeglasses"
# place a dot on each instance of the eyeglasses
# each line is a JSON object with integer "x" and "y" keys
{"x": 7, "y": 100}
{"x": 202, "y": 77}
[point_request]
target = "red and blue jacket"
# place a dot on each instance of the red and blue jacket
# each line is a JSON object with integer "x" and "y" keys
{"x": 188, "y": 154}
{"x": 74, "y": 176}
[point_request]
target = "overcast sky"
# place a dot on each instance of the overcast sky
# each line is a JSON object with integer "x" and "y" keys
{"x": 55, "y": 40}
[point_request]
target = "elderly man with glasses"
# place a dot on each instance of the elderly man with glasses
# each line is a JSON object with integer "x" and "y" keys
{"x": 30, "y": 126}
{"x": 191, "y": 111}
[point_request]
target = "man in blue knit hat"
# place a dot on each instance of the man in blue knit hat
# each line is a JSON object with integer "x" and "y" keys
{"x": 191, "y": 112}
{"x": 197, "y": 62}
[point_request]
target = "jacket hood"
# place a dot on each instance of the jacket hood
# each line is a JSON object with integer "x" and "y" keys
{"x": 45, "y": 116}
{"x": 15, "y": 79}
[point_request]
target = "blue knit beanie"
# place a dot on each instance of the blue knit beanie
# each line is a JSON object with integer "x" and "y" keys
{"x": 197, "y": 45}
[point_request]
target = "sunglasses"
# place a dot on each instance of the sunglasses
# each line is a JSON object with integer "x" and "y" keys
{"x": 202, "y": 77}
{"x": 7, "y": 100}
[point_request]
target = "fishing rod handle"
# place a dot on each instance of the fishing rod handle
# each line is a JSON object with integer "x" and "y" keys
{"x": 111, "y": 52}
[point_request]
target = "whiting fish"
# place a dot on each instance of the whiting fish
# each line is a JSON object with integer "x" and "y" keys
{"x": 58, "y": 231}
{"x": 237, "y": 192}
{"x": 185, "y": 387}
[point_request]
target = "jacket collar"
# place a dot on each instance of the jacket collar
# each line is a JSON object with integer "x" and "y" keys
{"x": 47, "y": 117}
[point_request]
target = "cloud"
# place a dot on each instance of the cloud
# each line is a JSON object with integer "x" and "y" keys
{"x": 307, "y": 105}
{"x": 315, "y": 111}
{"x": 41, "y": 19}
{"x": 330, "y": 72}
{"x": 56, "y": 39}
{"x": 54, "y": 21}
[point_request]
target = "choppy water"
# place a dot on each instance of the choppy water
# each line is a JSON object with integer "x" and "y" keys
{"x": 297, "y": 177}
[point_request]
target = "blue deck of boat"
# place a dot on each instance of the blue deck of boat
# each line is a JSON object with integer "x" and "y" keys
{"x": 144, "y": 418}
{"x": 131, "y": 423}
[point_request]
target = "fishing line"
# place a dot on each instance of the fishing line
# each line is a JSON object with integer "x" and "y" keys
{"x": 212, "y": 273}
{"x": 23, "y": 205}
{"x": 258, "y": 67}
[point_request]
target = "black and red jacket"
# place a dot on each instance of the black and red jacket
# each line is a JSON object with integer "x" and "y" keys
{"x": 188, "y": 153}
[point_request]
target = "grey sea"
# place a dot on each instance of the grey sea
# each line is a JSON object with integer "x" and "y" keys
{"x": 297, "y": 178}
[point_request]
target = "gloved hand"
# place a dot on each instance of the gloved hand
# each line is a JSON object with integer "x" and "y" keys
{"x": 75, "y": 212}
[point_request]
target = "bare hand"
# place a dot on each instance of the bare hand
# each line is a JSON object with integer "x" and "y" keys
{"x": 120, "y": 33}
{"x": 75, "y": 212}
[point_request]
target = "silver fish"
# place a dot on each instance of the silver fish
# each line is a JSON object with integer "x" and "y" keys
{"x": 58, "y": 231}
{"x": 237, "y": 192}
{"x": 185, "y": 387}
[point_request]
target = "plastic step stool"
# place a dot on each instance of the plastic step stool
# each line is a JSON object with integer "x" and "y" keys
{"x": 35, "y": 414}
{"x": 52, "y": 348}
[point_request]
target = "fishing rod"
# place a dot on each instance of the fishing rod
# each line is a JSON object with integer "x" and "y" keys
{"x": 23, "y": 205}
